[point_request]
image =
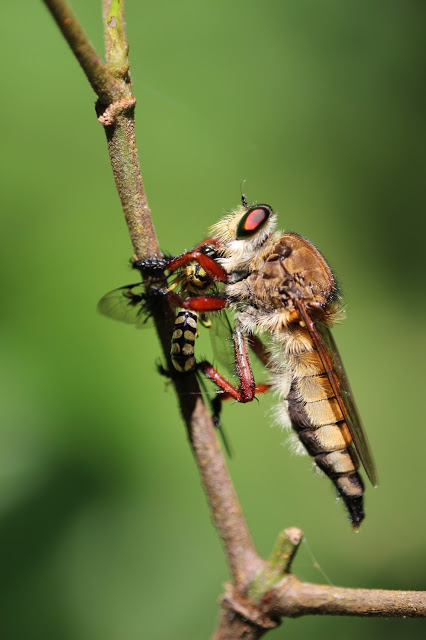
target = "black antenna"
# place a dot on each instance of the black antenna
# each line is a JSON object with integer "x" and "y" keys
{"x": 243, "y": 195}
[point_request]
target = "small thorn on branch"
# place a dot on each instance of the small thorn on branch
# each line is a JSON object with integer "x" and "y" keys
{"x": 285, "y": 550}
{"x": 278, "y": 564}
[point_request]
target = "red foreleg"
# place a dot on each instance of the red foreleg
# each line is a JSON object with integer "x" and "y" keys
{"x": 210, "y": 266}
{"x": 229, "y": 390}
{"x": 213, "y": 241}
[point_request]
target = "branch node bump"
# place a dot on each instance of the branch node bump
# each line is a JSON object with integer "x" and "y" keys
{"x": 247, "y": 611}
{"x": 107, "y": 116}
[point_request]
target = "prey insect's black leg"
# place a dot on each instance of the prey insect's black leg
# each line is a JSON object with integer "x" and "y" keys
{"x": 152, "y": 264}
{"x": 216, "y": 409}
{"x": 166, "y": 373}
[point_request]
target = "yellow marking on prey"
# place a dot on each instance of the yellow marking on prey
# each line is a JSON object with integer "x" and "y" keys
{"x": 188, "y": 349}
{"x": 189, "y": 364}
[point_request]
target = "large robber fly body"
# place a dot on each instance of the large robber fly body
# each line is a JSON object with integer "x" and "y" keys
{"x": 279, "y": 286}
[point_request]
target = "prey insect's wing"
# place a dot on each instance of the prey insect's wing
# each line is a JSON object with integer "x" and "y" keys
{"x": 221, "y": 340}
{"x": 326, "y": 347}
{"x": 223, "y": 345}
{"x": 127, "y": 304}
{"x": 132, "y": 303}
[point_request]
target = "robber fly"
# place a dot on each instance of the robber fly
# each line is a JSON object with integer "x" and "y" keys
{"x": 280, "y": 285}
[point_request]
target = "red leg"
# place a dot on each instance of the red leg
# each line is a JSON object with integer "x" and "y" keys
{"x": 242, "y": 362}
{"x": 210, "y": 266}
{"x": 214, "y": 241}
{"x": 197, "y": 303}
{"x": 259, "y": 388}
{"x": 229, "y": 391}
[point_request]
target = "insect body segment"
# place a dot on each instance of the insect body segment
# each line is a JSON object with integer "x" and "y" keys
{"x": 317, "y": 419}
{"x": 184, "y": 335}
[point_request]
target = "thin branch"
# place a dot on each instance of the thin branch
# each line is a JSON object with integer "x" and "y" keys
{"x": 116, "y": 46}
{"x": 225, "y": 508}
{"x": 102, "y": 81}
{"x": 294, "y": 598}
{"x": 243, "y": 620}
{"x": 263, "y": 591}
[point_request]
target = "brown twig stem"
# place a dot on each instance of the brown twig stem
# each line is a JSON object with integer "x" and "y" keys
{"x": 262, "y": 591}
{"x": 102, "y": 81}
{"x": 294, "y": 598}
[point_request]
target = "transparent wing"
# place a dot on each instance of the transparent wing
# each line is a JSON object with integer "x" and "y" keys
{"x": 127, "y": 304}
{"x": 222, "y": 342}
{"x": 327, "y": 350}
{"x": 221, "y": 337}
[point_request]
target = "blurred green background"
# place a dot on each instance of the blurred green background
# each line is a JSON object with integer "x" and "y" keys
{"x": 320, "y": 107}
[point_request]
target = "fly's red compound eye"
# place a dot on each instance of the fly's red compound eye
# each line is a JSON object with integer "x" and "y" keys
{"x": 253, "y": 220}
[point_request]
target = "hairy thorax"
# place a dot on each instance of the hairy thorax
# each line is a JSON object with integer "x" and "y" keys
{"x": 286, "y": 269}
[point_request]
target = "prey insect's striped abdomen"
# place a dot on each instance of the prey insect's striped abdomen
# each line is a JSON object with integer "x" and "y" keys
{"x": 316, "y": 417}
{"x": 183, "y": 340}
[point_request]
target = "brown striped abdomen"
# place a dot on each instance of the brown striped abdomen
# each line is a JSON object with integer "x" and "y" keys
{"x": 316, "y": 417}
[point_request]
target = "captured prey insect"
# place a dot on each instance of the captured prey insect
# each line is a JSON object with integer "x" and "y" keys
{"x": 280, "y": 285}
{"x": 131, "y": 303}
{"x": 186, "y": 281}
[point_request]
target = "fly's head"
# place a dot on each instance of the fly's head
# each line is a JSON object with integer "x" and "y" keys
{"x": 242, "y": 235}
